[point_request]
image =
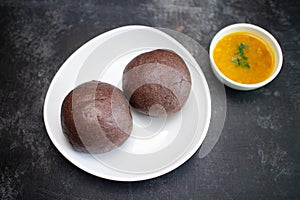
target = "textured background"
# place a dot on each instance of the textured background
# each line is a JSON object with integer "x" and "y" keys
{"x": 256, "y": 157}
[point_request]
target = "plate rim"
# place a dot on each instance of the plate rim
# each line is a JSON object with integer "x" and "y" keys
{"x": 137, "y": 177}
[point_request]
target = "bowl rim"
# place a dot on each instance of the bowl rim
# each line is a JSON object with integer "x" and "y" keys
{"x": 231, "y": 28}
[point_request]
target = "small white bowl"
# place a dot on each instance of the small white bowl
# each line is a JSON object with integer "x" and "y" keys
{"x": 243, "y": 27}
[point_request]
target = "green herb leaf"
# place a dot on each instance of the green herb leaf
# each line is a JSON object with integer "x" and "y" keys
{"x": 242, "y": 61}
{"x": 243, "y": 46}
{"x": 245, "y": 64}
{"x": 244, "y": 57}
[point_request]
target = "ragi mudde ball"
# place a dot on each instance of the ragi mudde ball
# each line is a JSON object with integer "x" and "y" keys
{"x": 157, "y": 83}
{"x": 95, "y": 117}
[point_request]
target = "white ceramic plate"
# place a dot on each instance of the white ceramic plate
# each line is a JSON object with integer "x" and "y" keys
{"x": 156, "y": 145}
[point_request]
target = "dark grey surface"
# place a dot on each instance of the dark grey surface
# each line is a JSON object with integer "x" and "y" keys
{"x": 256, "y": 157}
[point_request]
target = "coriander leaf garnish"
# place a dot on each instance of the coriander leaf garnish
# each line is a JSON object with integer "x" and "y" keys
{"x": 241, "y": 60}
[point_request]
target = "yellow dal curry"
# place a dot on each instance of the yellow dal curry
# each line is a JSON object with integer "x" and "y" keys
{"x": 244, "y": 57}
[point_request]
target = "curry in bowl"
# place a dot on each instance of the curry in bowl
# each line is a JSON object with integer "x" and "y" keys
{"x": 244, "y": 57}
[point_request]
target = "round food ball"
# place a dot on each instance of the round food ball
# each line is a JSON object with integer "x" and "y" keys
{"x": 157, "y": 83}
{"x": 95, "y": 117}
